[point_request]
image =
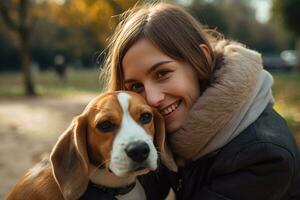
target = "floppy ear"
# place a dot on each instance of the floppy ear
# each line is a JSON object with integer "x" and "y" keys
{"x": 166, "y": 155}
{"x": 69, "y": 160}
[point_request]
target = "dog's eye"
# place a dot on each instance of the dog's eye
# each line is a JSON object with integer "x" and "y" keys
{"x": 106, "y": 126}
{"x": 146, "y": 118}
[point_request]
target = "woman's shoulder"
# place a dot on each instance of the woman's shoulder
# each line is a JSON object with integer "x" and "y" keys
{"x": 268, "y": 133}
{"x": 269, "y": 127}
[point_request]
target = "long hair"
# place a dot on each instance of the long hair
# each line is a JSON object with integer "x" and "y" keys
{"x": 170, "y": 28}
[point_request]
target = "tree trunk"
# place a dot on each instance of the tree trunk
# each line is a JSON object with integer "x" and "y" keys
{"x": 25, "y": 55}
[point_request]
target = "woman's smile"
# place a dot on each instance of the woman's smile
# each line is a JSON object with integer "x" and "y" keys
{"x": 170, "y": 109}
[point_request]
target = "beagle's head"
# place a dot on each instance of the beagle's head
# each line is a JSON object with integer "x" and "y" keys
{"x": 121, "y": 132}
{"x": 118, "y": 132}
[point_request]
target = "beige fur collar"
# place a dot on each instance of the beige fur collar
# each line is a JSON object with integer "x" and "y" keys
{"x": 233, "y": 83}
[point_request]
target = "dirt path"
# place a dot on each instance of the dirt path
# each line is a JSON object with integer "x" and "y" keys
{"x": 28, "y": 130}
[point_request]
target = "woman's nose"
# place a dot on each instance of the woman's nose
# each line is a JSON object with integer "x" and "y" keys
{"x": 154, "y": 96}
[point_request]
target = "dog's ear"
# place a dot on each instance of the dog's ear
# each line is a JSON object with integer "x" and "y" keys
{"x": 69, "y": 160}
{"x": 160, "y": 141}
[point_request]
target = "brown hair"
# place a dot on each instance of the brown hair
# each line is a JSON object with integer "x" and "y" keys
{"x": 173, "y": 30}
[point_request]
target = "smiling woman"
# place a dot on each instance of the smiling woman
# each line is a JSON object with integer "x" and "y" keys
{"x": 217, "y": 105}
{"x": 167, "y": 84}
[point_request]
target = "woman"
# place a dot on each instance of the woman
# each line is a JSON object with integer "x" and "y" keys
{"x": 216, "y": 100}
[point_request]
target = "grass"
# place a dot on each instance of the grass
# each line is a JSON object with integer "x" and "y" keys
{"x": 48, "y": 84}
{"x": 286, "y": 89}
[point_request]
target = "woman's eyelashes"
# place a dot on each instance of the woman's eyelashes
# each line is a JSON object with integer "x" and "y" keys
{"x": 162, "y": 74}
{"x": 158, "y": 76}
{"x": 136, "y": 87}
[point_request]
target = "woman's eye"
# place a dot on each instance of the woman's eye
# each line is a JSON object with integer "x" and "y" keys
{"x": 161, "y": 74}
{"x": 106, "y": 126}
{"x": 136, "y": 87}
{"x": 146, "y": 118}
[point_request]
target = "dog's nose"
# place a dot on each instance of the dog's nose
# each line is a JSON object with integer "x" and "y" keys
{"x": 138, "y": 151}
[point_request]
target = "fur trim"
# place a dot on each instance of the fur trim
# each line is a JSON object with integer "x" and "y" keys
{"x": 233, "y": 82}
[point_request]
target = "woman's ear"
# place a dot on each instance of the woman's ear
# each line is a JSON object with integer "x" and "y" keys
{"x": 69, "y": 160}
{"x": 206, "y": 52}
{"x": 166, "y": 155}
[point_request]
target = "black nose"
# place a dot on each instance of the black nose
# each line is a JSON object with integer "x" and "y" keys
{"x": 138, "y": 151}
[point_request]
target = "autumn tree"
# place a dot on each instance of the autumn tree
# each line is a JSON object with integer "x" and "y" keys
{"x": 84, "y": 25}
{"x": 17, "y": 16}
{"x": 78, "y": 28}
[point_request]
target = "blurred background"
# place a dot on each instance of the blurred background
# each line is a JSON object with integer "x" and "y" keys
{"x": 51, "y": 53}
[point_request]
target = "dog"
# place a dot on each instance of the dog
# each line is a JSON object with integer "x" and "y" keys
{"x": 115, "y": 139}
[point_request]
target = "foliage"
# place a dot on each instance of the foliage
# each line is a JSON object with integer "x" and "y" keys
{"x": 236, "y": 20}
{"x": 287, "y": 12}
{"x": 77, "y": 28}
{"x": 8, "y": 54}
{"x": 287, "y": 98}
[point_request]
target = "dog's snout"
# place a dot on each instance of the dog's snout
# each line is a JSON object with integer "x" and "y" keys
{"x": 138, "y": 151}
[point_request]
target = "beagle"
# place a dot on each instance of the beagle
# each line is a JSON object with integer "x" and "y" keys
{"x": 115, "y": 139}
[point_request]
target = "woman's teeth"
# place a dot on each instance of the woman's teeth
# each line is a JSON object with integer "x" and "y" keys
{"x": 170, "y": 109}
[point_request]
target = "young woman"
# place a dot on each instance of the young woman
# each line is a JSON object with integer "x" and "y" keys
{"x": 216, "y": 100}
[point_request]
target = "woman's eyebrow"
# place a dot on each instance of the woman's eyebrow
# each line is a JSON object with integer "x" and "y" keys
{"x": 152, "y": 68}
{"x": 156, "y": 65}
{"x": 129, "y": 81}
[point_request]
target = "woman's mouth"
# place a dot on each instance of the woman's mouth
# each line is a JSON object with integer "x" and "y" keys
{"x": 170, "y": 109}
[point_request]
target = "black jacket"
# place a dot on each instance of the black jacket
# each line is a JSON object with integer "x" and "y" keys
{"x": 262, "y": 163}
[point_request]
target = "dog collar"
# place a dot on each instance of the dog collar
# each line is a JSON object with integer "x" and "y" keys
{"x": 113, "y": 191}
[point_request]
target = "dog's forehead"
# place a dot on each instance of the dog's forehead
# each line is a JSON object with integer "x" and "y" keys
{"x": 123, "y": 100}
{"x": 106, "y": 101}
{"x": 129, "y": 100}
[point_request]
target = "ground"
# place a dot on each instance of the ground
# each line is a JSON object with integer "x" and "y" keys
{"x": 29, "y": 127}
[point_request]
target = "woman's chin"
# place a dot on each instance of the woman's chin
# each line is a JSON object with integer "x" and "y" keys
{"x": 172, "y": 128}
{"x": 174, "y": 121}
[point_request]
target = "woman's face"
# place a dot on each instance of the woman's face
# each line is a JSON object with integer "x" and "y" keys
{"x": 167, "y": 84}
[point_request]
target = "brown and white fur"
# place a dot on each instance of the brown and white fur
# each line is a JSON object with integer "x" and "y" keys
{"x": 84, "y": 152}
